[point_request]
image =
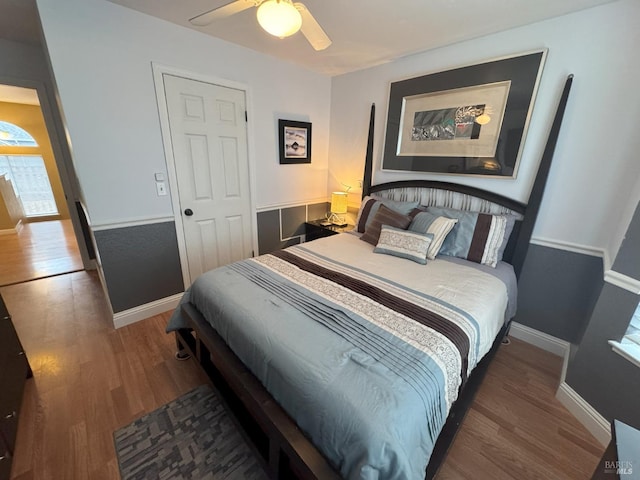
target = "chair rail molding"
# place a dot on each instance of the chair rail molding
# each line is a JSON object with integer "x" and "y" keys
{"x": 622, "y": 281}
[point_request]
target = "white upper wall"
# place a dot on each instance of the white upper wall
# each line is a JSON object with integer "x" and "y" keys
{"x": 592, "y": 188}
{"x": 101, "y": 55}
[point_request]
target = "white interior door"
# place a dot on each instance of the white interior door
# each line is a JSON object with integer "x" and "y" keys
{"x": 209, "y": 139}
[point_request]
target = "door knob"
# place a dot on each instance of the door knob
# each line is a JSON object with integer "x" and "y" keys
{"x": 188, "y": 212}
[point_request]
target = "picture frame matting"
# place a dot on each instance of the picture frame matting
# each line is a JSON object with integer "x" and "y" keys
{"x": 424, "y": 135}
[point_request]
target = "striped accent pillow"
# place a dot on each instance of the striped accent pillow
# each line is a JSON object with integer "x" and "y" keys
{"x": 370, "y": 205}
{"x": 438, "y": 226}
{"x": 384, "y": 216}
{"x": 404, "y": 244}
{"x": 477, "y": 237}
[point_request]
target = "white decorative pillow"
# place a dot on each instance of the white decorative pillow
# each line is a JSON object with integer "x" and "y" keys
{"x": 438, "y": 226}
{"x": 404, "y": 244}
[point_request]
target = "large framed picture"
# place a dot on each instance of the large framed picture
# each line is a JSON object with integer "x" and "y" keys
{"x": 470, "y": 120}
{"x": 295, "y": 141}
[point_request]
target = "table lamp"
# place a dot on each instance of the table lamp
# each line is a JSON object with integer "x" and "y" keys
{"x": 338, "y": 208}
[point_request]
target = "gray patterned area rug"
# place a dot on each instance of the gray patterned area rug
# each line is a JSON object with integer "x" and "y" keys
{"x": 189, "y": 438}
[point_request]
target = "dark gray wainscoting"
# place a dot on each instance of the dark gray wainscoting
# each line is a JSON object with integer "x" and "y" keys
{"x": 558, "y": 290}
{"x": 269, "y": 236}
{"x": 627, "y": 260}
{"x": 283, "y": 227}
{"x": 607, "y": 381}
{"x": 141, "y": 264}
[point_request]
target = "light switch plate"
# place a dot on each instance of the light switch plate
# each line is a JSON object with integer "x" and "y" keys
{"x": 159, "y": 177}
{"x": 161, "y": 188}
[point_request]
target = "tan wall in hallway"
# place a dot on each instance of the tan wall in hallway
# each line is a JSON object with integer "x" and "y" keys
{"x": 29, "y": 117}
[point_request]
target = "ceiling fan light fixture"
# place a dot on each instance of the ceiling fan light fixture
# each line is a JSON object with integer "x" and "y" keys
{"x": 279, "y": 18}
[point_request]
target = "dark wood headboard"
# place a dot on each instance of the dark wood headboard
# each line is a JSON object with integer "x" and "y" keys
{"x": 516, "y": 250}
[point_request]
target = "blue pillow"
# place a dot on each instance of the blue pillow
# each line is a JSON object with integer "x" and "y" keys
{"x": 477, "y": 237}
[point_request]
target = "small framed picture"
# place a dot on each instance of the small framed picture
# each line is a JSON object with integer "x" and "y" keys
{"x": 295, "y": 141}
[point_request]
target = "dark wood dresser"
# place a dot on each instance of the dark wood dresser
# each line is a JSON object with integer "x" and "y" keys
{"x": 14, "y": 370}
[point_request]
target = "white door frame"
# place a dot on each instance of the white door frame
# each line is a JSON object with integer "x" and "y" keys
{"x": 158, "y": 71}
{"x": 61, "y": 157}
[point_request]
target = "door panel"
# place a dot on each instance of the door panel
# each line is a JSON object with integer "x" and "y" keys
{"x": 198, "y": 167}
{"x": 231, "y": 167}
{"x": 235, "y": 229}
{"x": 209, "y": 139}
{"x": 208, "y": 256}
{"x": 193, "y": 108}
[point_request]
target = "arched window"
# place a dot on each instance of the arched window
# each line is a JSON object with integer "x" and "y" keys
{"x": 27, "y": 173}
{"x": 13, "y": 136}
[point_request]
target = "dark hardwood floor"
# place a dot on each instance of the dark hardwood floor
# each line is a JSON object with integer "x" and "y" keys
{"x": 516, "y": 429}
{"x": 90, "y": 379}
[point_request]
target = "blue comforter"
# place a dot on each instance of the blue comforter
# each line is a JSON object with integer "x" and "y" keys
{"x": 368, "y": 368}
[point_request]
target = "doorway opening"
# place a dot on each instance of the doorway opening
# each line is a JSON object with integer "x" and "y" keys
{"x": 37, "y": 238}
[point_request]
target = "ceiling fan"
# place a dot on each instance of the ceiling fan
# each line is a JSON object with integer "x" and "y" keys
{"x": 280, "y": 18}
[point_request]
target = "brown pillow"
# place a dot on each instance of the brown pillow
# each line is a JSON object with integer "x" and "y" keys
{"x": 384, "y": 216}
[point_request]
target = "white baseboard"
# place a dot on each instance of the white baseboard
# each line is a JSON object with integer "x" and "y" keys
{"x": 147, "y": 310}
{"x": 584, "y": 413}
{"x": 539, "y": 339}
{"x": 588, "y": 416}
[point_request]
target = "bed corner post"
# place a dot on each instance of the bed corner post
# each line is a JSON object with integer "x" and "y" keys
{"x": 368, "y": 161}
{"x": 535, "y": 198}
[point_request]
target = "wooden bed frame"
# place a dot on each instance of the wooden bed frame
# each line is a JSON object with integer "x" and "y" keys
{"x": 286, "y": 451}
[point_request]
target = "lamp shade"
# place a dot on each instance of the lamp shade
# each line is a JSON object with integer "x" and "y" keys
{"x": 279, "y": 17}
{"x": 339, "y": 202}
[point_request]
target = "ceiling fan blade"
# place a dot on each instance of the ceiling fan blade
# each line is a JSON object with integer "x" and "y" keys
{"x": 222, "y": 12}
{"x": 312, "y": 30}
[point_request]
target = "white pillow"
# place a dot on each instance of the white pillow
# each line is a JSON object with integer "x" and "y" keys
{"x": 439, "y": 227}
{"x": 404, "y": 244}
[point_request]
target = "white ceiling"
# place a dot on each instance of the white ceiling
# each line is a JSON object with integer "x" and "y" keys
{"x": 367, "y": 32}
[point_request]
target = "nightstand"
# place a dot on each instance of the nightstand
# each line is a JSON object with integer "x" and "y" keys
{"x": 314, "y": 229}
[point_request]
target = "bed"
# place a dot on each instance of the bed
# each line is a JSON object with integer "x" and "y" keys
{"x": 345, "y": 359}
